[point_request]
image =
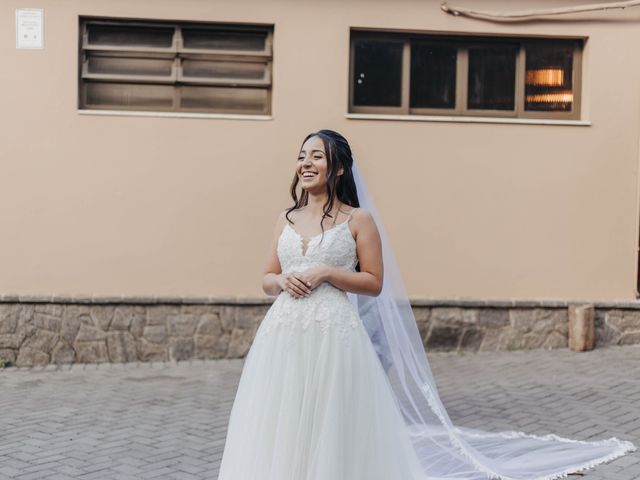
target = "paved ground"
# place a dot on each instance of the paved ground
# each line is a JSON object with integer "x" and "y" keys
{"x": 168, "y": 420}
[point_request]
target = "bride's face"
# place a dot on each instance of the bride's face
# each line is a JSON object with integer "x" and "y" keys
{"x": 311, "y": 167}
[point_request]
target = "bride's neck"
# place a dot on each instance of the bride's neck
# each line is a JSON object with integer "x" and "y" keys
{"x": 315, "y": 203}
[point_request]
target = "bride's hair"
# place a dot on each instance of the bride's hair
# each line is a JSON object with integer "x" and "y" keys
{"x": 343, "y": 186}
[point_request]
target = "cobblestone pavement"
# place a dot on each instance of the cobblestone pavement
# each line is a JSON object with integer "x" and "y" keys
{"x": 168, "y": 420}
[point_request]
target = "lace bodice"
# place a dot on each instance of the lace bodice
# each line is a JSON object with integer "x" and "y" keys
{"x": 328, "y": 307}
{"x": 337, "y": 248}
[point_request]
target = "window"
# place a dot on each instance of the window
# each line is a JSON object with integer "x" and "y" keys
{"x": 396, "y": 73}
{"x": 175, "y": 67}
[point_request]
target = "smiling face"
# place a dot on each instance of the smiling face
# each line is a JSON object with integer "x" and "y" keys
{"x": 312, "y": 165}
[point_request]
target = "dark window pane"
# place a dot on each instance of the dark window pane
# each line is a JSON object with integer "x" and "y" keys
{"x": 223, "y": 69}
{"x": 223, "y": 39}
{"x": 377, "y": 73}
{"x": 433, "y": 76}
{"x": 144, "y": 97}
{"x": 548, "y": 86}
{"x": 225, "y": 100}
{"x": 129, "y": 36}
{"x": 492, "y": 73}
{"x": 130, "y": 66}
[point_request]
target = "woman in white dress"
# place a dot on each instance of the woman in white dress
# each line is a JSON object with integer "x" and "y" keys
{"x": 313, "y": 402}
{"x": 336, "y": 385}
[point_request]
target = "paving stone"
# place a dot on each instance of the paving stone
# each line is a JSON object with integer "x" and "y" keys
{"x": 168, "y": 420}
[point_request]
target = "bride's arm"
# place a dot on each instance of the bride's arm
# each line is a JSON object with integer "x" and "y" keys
{"x": 368, "y": 280}
{"x": 273, "y": 270}
{"x": 274, "y": 281}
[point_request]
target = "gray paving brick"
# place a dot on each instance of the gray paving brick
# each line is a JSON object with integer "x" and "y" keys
{"x": 168, "y": 420}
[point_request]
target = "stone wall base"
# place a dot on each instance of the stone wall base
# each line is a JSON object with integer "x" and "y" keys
{"x": 41, "y": 331}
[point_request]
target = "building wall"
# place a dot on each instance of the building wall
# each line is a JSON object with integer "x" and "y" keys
{"x": 143, "y": 205}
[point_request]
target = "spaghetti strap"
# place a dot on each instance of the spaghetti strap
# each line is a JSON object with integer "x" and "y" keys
{"x": 351, "y": 213}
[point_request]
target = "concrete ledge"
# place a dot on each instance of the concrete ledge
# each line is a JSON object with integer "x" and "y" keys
{"x": 466, "y": 119}
{"x": 139, "y": 113}
{"x": 241, "y": 300}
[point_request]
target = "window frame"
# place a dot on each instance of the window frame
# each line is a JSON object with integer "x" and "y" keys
{"x": 463, "y": 42}
{"x": 176, "y": 51}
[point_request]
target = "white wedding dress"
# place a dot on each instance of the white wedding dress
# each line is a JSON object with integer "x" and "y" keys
{"x": 314, "y": 402}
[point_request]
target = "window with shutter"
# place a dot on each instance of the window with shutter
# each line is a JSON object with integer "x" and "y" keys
{"x": 175, "y": 66}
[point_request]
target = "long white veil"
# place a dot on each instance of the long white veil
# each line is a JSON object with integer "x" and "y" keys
{"x": 446, "y": 451}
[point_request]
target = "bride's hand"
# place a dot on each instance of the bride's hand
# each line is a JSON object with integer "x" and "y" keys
{"x": 294, "y": 284}
{"x": 314, "y": 276}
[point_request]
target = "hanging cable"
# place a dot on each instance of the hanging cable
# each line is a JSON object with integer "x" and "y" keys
{"x": 467, "y": 12}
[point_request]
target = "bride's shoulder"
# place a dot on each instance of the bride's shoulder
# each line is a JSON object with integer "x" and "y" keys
{"x": 282, "y": 218}
{"x": 287, "y": 216}
{"x": 289, "y": 213}
{"x": 362, "y": 221}
{"x": 360, "y": 214}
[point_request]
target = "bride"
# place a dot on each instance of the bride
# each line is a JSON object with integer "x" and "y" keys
{"x": 336, "y": 384}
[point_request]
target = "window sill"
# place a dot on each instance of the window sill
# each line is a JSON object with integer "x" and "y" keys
{"x": 137, "y": 113}
{"x": 463, "y": 119}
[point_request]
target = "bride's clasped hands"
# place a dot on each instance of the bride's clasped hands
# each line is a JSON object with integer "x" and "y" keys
{"x": 300, "y": 284}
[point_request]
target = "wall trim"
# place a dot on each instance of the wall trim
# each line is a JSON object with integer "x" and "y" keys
{"x": 466, "y": 119}
{"x": 247, "y": 300}
{"x": 140, "y": 113}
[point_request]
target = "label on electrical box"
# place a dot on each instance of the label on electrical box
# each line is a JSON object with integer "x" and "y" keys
{"x": 29, "y": 31}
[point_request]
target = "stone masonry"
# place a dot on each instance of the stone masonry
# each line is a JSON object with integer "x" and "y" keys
{"x": 59, "y": 331}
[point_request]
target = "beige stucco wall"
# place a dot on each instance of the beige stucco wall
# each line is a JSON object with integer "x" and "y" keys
{"x": 106, "y": 205}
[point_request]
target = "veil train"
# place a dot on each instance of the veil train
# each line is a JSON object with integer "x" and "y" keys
{"x": 446, "y": 451}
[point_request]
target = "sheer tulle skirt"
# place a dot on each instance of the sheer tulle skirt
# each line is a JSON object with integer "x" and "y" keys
{"x": 314, "y": 402}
